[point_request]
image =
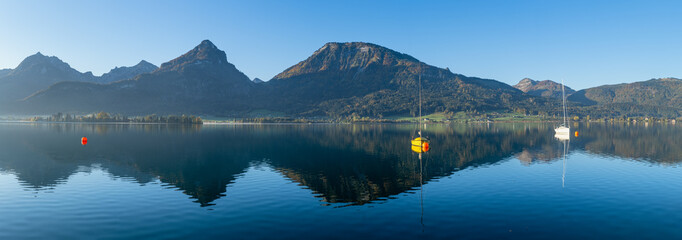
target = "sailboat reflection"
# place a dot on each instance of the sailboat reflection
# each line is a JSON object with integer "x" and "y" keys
{"x": 566, "y": 140}
{"x": 421, "y": 148}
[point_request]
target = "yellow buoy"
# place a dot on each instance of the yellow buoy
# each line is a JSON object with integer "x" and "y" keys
{"x": 576, "y": 133}
{"x": 420, "y": 145}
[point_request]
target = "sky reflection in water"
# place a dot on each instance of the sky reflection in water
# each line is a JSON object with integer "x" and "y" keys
{"x": 257, "y": 181}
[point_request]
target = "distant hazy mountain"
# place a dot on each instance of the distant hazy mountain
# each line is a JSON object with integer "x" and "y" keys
{"x": 199, "y": 81}
{"x": 258, "y": 80}
{"x": 123, "y": 73}
{"x": 4, "y": 72}
{"x": 37, "y": 72}
{"x": 546, "y": 88}
{"x": 371, "y": 80}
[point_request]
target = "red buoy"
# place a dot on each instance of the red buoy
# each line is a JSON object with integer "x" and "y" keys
{"x": 84, "y": 141}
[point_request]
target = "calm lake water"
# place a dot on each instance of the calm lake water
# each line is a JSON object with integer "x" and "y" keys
{"x": 339, "y": 181}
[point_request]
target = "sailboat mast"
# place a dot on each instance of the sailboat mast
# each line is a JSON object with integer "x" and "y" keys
{"x": 563, "y": 99}
{"x": 420, "y": 105}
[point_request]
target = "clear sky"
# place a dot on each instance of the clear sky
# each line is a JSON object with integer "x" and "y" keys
{"x": 584, "y": 42}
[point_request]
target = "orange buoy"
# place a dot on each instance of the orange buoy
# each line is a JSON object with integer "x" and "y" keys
{"x": 425, "y": 146}
{"x": 576, "y": 133}
{"x": 84, "y": 141}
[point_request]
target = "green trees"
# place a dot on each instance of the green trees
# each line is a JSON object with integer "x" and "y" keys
{"x": 109, "y": 117}
{"x": 102, "y": 116}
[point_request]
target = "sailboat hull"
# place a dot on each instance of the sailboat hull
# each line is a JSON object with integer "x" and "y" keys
{"x": 562, "y": 130}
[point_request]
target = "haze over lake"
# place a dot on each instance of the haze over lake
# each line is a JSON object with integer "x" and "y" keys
{"x": 339, "y": 181}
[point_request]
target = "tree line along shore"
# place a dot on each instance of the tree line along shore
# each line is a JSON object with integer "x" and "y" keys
{"x": 118, "y": 118}
{"x": 103, "y": 117}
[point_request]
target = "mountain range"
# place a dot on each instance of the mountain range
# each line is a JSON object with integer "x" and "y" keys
{"x": 38, "y": 72}
{"x": 661, "y": 97}
{"x": 197, "y": 82}
{"x": 337, "y": 80}
{"x": 662, "y": 91}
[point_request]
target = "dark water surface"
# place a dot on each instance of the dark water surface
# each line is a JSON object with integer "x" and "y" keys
{"x": 339, "y": 181}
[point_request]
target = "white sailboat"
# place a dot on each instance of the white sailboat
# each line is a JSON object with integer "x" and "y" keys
{"x": 563, "y": 131}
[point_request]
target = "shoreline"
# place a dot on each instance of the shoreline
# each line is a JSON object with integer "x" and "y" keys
{"x": 220, "y": 123}
{"x": 102, "y": 123}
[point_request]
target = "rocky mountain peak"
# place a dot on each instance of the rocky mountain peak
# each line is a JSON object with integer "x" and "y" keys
{"x": 525, "y": 84}
{"x": 349, "y": 56}
{"x": 41, "y": 60}
{"x": 545, "y": 88}
{"x": 203, "y": 54}
{"x": 144, "y": 63}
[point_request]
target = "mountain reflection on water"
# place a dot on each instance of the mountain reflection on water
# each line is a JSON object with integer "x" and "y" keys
{"x": 345, "y": 164}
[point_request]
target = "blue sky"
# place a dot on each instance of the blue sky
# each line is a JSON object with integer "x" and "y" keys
{"x": 587, "y": 43}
